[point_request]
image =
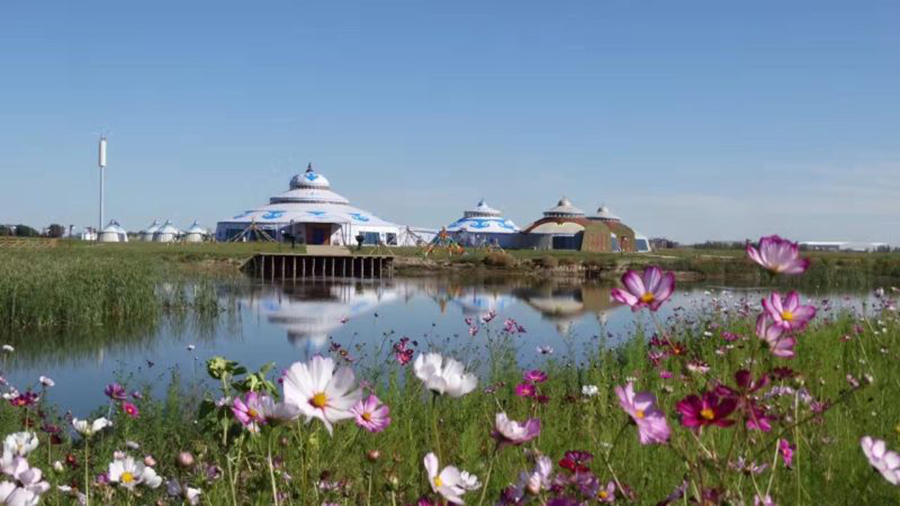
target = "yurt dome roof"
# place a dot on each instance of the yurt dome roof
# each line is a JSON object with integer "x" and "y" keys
{"x": 152, "y": 228}
{"x": 196, "y": 229}
{"x": 310, "y": 179}
{"x": 482, "y": 220}
{"x": 168, "y": 228}
{"x": 603, "y": 213}
{"x": 114, "y": 228}
{"x": 564, "y": 208}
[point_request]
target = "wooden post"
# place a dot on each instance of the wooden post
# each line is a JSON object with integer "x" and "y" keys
{"x": 272, "y": 270}
{"x": 333, "y": 259}
{"x": 344, "y": 267}
{"x": 352, "y": 266}
{"x": 294, "y": 269}
{"x": 283, "y": 261}
{"x": 304, "y": 268}
{"x": 262, "y": 261}
{"x": 314, "y": 268}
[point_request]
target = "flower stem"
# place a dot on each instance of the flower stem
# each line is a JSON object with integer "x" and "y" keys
{"x": 87, "y": 472}
{"x": 487, "y": 479}
{"x": 272, "y": 470}
{"x": 434, "y": 424}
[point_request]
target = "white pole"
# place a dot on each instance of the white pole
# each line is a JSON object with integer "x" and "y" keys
{"x": 101, "y": 161}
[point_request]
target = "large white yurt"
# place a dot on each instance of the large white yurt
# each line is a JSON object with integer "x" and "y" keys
{"x": 113, "y": 233}
{"x": 313, "y": 214}
{"x": 484, "y": 225}
{"x": 166, "y": 233}
{"x": 195, "y": 233}
{"x": 147, "y": 234}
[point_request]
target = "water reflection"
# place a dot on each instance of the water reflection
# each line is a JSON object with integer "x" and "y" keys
{"x": 282, "y": 324}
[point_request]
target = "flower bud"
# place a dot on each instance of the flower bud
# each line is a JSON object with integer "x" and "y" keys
{"x": 185, "y": 459}
{"x": 373, "y": 455}
{"x": 149, "y": 461}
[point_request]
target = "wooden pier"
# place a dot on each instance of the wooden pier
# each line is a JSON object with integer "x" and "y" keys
{"x": 319, "y": 265}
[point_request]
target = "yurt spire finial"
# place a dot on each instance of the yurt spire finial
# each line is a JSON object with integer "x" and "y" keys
{"x": 309, "y": 167}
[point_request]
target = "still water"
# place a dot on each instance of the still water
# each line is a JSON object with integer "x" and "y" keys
{"x": 286, "y": 323}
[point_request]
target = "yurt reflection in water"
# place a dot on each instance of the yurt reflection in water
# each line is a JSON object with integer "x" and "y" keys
{"x": 312, "y": 312}
{"x": 564, "y": 305}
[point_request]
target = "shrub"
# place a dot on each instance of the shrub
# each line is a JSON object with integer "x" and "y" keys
{"x": 499, "y": 259}
{"x": 548, "y": 262}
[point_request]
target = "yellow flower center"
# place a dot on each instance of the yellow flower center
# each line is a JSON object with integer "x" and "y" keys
{"x": 603, "y": 494}
{"x": 367, "y": 416}
{"x": 319, "y": 400}
{"x": 252, "y": 413}
{"x": 127, "y": 477}
{"x": 708, "y": 414}
{"x": 787, "y": 316}
{"x": 639, "y": 413}
{"x": 438, "y": 482}
{"x": 647, "y": 298}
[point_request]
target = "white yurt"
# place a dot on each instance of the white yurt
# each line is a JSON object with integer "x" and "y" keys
{"x": 195, "y": 233}
{"x": 166, "y": 233}
{"x": 113, "y": 233}
{"x": 484, "y": 225}
{"x": 147, "y": 234}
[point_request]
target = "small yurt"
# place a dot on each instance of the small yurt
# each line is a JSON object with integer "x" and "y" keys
{"x": 167, "y": 233}
{"x": 195, "y": 233}
{"x": 483, "y": 226}
{"x": 147, "y": 235}
{"x": 113, "y": 233}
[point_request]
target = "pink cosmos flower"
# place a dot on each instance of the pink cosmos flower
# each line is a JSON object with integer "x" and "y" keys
{"x": 651, "y": 290}
{"x": 512, "y": 433}
{"x": 249, "y": 411}
{"x": 779, "y": 342}
{"x": 709, "y": 409}
{"x": 786, "y": 449}
{"x": 641, "y": 407}
{"x": 535, "y": 376}
{"x": 131, "y": 410}
{"x": 778, "y": 255}
{"x": 371, "y": 414}
{"x": 885, "y": 461}
{"x": 788, "y": 312}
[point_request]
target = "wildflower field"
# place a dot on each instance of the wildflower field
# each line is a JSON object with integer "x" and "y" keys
{"x": 774, "y": 401}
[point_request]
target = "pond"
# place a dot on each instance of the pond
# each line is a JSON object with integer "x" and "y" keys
{"x": 277, "y": 323}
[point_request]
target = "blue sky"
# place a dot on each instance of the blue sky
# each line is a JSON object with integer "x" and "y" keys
{"x": 692, "y": 120}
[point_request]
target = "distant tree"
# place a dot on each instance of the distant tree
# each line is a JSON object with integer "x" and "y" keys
{"x": 6, "y": 230}
{"x": 56, "y": 230}
{"x": 26, "y": 231}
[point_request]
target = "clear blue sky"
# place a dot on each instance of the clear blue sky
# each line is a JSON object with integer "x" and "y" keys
{"x": 691, "y": 120}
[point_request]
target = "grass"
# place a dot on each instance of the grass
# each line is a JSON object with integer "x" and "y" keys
{"x": 311, "y": 467}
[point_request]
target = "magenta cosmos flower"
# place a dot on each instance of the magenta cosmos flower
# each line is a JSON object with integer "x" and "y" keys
{"x": 641, "y": 407}
{"x": 535, "y": 376}
{"x": 780, "y": 343}
{"x": 778, "y": 255}
{"x": 709, "y": 409}
{"x": 371, "y": 414}
{"x": 787, "y": 312}
{"x": 512, "y": 433}
{"x": 651, "y": 290}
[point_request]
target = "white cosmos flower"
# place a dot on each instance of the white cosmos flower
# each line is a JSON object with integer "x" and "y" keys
{"x": 47, "y": 381}
{"x": 20, "y": 443}
{"x": 444, "y": 375}
{"x": 7, "y": 348}
{"x": 130, "y": 473}
{"x": 446, "y": 482}
{"x": 887, "y": 462}
{"x": 469, "y": 481}
{"x": 176, "y": 489}
{"x": 589, "y": 390}
{"x": 27, "y": 489}
{"x": 88, "y": 429}
{"x": 320, "y": 392}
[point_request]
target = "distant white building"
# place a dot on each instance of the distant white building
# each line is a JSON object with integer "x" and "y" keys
{"x": 857, "y": 246}
{"x": 147, "y": 234}
{"x": 113, "y": 233}
{"x": 195, "y": 233}
{"x": 166, "y": 233}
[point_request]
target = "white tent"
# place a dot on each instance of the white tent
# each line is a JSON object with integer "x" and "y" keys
{"x": 166, "y": 233}
{"x": 195, "y": 233}
{"x": 147, "y": 235}
{"x": 113, "y": 233}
